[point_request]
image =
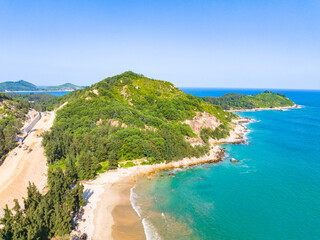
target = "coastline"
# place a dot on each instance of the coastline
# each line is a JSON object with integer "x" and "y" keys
{"x": 40, "y": 91}
{"x": 263, "y": 109}
{"x": 108, "y": 196}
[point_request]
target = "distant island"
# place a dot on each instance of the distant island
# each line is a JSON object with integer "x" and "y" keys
{"x": 24, "y": 86}
{"x": 235, "y": 101}
{"x": 63, "y": 87}
{"x": 17, "y": 86}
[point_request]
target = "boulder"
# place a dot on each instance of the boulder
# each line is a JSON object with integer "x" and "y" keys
{"x": 233, "y": 160}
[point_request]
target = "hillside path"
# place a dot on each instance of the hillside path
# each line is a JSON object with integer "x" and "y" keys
{"x": 21, "y": 167}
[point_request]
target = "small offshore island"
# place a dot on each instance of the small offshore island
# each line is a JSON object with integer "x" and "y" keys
{"x": 98, "y": 140}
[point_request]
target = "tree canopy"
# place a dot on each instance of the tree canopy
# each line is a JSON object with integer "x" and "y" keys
{"x": 122, "y": 118}
{"x": 12, "y": 113}
{"x": 267, "y": 99}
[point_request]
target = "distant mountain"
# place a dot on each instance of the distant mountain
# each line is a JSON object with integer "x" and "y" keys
{"x": 22, "y": 85}
{"x": 17, "y": 86}
{"x": 63, "y": 87}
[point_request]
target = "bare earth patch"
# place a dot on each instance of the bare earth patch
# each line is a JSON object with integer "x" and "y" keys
{"x": 202, "y": 120}
{"x": 21, "y": 166}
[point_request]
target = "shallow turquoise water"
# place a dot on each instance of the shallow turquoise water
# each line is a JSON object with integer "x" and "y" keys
{"x": 273, "y": 193}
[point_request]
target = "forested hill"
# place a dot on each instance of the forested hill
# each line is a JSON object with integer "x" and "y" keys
{"x": 17, "y": 86}
{"x": 26, "y": 86}
{"x": 63, "y": 87}
{"x": 122, "y": 118}
{"x": 37, "y": 101}
{"x": 12, "y": 112}
{"x": 267, "y": 99}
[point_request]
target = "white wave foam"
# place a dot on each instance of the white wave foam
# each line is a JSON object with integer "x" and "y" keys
{"x": 133, "y": 197}
{"x": 175, "y": 170}
{"x": 150, "y": 231}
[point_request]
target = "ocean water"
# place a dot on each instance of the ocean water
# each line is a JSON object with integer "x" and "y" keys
{"x": 56, "y": 93}
{"x": 273, "y": 193}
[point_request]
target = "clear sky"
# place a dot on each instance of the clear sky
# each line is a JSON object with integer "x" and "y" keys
{"x": 218, "y": 43}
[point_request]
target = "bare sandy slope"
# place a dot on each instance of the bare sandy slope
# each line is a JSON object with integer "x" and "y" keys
{"x": 20, "y": 167}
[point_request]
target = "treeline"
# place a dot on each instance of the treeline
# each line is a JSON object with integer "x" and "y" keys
{"x": 38, "y": 101}
{"x": 81, "y": 142}
{"x": 266, "y": 99}
{"x": 44, "y": 216}
{"x": 121, "y": 118}
{"x": 12, "y": 112}
{"x": 218, "y": 133}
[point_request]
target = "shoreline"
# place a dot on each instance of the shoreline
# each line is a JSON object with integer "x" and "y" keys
{"x": 263, "y": 109}
{"x": 108, "y": 196}
{"x": 40, "y": 91}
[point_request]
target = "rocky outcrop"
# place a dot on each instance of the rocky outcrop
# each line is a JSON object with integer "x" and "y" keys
{"x": 233, "y": 160}
{"x": 202, "y": 120}
{"x": 195, "y": 141}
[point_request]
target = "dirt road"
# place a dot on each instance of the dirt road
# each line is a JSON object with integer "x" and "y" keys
{"x": 21, "y": 167}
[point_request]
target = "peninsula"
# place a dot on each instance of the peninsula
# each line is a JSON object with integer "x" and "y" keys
{"x": 240, "y": 102}
{"x": 102, "y": 138}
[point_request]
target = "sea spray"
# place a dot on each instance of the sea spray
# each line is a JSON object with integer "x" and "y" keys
{"x": 150, "y": 231}
{"x": 133, "y": 197}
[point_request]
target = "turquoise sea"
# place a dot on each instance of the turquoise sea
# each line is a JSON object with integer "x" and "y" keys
{"x": 273, "y": 193}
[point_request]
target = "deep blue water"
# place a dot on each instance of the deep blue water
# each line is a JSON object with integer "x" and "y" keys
{"x": 273, "y": 193}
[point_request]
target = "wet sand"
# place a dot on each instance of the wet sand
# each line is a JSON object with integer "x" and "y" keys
{"x": 127, "y": 224}
{"x": 114, "y": 217}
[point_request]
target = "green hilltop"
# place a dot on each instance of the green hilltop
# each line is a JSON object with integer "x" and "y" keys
{"x": 126, "y": 117}
{"x": 17, "y": 86}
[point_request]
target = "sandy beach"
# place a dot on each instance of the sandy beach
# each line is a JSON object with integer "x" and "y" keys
{"x": 108, "y": 213}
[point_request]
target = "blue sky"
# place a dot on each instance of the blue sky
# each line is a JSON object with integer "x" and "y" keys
{"x": 221, "y": 43}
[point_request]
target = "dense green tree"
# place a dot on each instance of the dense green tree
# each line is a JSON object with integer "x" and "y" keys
{"x": 44, "y": 216}
{"x": 267, "y": 99}
{"x": 12, "y": 113}
{"x": 131, "y": 117}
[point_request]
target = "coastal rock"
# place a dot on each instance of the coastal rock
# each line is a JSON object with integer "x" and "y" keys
{"x": 233, "y": 160}
{"x": 202, "y": 120}
{"x": 83, "y": 236}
